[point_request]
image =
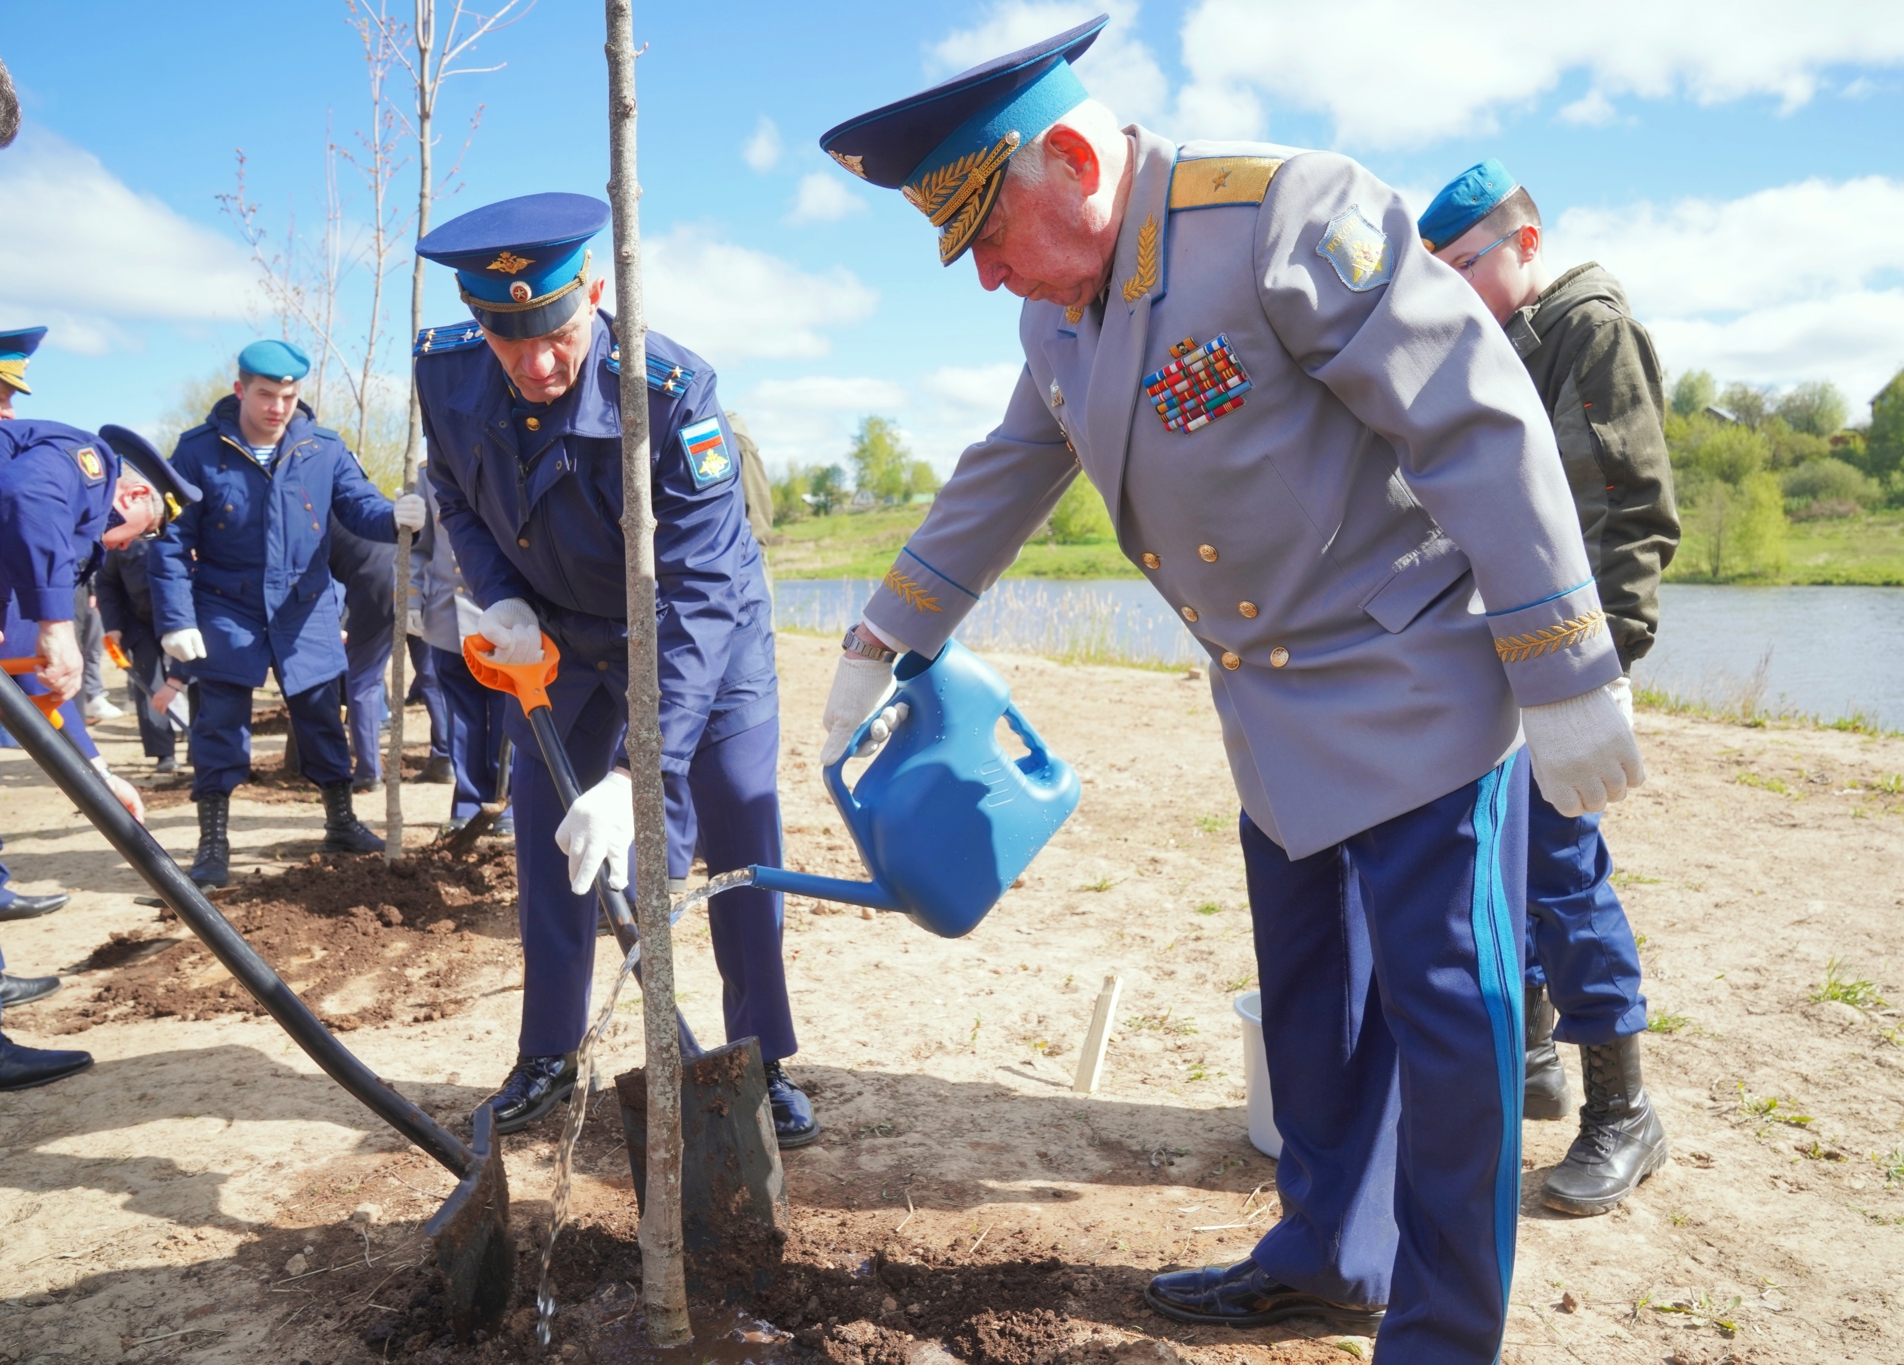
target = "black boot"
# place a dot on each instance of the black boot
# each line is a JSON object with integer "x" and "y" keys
{"x": 1546, "y": 1095}
{"x": 343, "y": 831}
{"x": 1621, "y": 1141}
{"x": 211, "y": 866}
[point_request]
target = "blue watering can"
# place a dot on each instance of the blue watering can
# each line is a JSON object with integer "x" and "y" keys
{"x": 944, "y": 821}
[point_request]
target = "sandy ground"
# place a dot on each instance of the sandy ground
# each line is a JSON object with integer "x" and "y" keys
{"x": 148, "y": 1207}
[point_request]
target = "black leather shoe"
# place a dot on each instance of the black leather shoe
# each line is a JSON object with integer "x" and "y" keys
{"x": 343, "y": 831}
{"x": 24, "y": 990}
{"x": 793, "y": 1121}
{"x": 31, "y": 907}
{"x": 1546, "y": 1095}
{"x": 438, "y": 770}
{"x": 165, "y": 766}
{"x": 534, "y": 1086}
{"x": 22, "y": 1068}
{"x": 1621, "y": 1139}
{"x": 1245, "y": 1295}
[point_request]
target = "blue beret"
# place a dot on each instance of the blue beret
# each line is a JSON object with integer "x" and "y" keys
{"x": 15, "y": 349}
{"x": 946, "y": 148}
{"x": 1466, "y": 200}
{"x": 278, "y": 360}
{"x": 143, "y": 456}
{"x": 522, "y": 263}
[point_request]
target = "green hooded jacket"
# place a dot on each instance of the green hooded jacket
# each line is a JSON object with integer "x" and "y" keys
{"x": 1600, "y": 381}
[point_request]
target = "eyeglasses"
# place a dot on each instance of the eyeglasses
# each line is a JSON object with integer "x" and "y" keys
{"x": 1467, "y": 266}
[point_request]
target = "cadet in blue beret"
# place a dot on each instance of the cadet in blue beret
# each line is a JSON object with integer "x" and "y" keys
{"x": 64, "y": 501}
{"x": 241, "y": 587}
{"x": 1600, "y": 381}
{"x": 1316, "y": 447}
{"x": 522, "y": 409}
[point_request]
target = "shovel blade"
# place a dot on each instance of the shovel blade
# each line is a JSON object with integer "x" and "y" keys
{"x": 474, "y": 1249}
{"x": 734, "y": 1214}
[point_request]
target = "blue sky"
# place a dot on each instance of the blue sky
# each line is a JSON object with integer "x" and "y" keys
{"x": 1744, "y": 176}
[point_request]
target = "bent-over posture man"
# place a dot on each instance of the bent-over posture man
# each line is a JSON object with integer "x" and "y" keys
{"x": 1600, "y": 381}
{"x": 241, "y": 586}
{"x": 523, "y": 414}
{"x": 1325, "y": 456}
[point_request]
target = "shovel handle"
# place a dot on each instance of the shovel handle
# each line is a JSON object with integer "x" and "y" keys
{"x": 48, "y": 703}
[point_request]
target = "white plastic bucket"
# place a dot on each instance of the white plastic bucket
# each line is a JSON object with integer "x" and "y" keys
{"x": 1262, "y": 1115}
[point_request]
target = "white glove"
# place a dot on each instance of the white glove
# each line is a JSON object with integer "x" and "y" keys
{"x": 409, "y": 511}
{"x": 184, "y": 645}
{"x": 859, "y": 686}
{"x": 1622, "y": 690}
{"x": 1583, "y": 751}
{"x": 511, "y": 627}
{"x": 598, "y": 829}
{"x": 413, "y": 622}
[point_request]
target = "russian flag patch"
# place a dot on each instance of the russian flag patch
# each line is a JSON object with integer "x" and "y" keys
{"x": 707, "y": 455}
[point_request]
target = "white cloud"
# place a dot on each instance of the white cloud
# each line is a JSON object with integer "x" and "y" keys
{"x": 1791, "y": 283}
{"x": 1395, "y": 74}
{"x": 731, "y": 302}
{"x": 101, "y": 255}
{"x": 762, "y": 150}
{"x": 1118, "y": 69}
{"x": 823, "y": 197}
{"x": 1591, "y": 110}
{"x": 812, "y": 420}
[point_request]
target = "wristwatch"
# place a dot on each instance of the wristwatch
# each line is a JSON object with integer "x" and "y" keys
{"x": 879, "y": 654}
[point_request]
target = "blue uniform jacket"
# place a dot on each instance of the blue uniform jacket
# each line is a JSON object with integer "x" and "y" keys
{"x": 535, "y": 513}
{"x": 123, "y": 590}
{"x": 56, "y": 485}
{"x": 249, "y": 565}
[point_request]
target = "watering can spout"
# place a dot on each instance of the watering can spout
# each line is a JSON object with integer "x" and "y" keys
{"x": 944, "y": 821}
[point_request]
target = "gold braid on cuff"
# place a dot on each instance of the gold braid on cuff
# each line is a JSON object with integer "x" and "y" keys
{"x": 1518, "y": 649}
{"x": 491, "y": 306}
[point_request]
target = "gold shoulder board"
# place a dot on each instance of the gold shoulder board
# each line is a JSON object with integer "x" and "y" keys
{"x": 1213, "y": 180}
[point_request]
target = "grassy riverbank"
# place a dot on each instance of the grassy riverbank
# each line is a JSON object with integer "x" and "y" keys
{"x": 1866, "y": 549}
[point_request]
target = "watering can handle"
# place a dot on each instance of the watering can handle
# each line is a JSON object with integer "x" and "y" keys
{"x": 835, "y": 772}
{"x": 1022, "y": 728}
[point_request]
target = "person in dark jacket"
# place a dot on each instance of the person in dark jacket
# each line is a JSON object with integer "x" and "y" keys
{"x": 125, "y": 610}
{"x": 367, "y": 569}
{"x": 1600, "y": 381}
{"x": 241, "y": 586}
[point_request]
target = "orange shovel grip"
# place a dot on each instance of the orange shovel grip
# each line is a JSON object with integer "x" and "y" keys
{"x": 527, "y": 683}
{"x": 48, "y": 703}
{"x": 116, "y": 654}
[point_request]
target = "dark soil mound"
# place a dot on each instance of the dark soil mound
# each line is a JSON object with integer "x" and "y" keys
{"x": 360, "y": 941}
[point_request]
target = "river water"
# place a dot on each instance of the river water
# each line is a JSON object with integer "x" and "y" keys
{"x": 1828, "y": 652}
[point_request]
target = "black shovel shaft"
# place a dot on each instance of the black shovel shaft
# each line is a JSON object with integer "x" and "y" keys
{"x": 80, "y": 781}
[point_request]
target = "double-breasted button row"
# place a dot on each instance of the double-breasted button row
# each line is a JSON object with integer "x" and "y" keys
{"x": 1278, "y": 658}
{"x": 1207, "y": 553}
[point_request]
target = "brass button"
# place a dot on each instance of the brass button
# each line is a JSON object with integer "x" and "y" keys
{"x": 1247, "y": 608}
{"x": 221, "y": 525}
{"x": 533, "y": 423}
{"x": 1231, "y": 662}
{"x": 1278, "y": 657}
{"x": 601, "y": 665}
{"x": 523, "y": 541}
{"x": 1151, "y": 561}
{"x": 228, "y": 507}
{"x": 1189, "y": 613}
{"x": 1207, "y": 553}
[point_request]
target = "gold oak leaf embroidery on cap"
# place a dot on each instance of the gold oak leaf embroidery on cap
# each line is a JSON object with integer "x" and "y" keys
{"x": 1145, "y": 279}
{"x": 509, "y": 263}
{"x": 910, "y": 592}
{"x": 1517, "y": 649}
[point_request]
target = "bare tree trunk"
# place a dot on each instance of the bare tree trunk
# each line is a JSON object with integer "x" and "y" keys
{"x": 663, "y": 1283}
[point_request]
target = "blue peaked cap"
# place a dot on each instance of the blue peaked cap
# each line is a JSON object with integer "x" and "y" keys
{"x": 521, "y": 264}
{"x": 143, "y": 456}
{"x": 278, "y": 360}
{"x": 1465, "y": 201}
{"x": 15, "y": 349}
{"x": 946, "y": 148}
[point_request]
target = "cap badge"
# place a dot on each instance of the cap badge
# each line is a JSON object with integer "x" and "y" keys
{"x": 509, "y": 264}
{"x": 519, "y": 291}
{"x": 852, "y": 163}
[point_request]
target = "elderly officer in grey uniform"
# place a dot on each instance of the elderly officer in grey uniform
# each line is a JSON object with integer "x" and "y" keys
{"x": 1324, "y": 454}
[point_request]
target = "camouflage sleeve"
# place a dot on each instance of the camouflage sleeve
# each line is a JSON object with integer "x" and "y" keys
{"x": 1618, "y": 377}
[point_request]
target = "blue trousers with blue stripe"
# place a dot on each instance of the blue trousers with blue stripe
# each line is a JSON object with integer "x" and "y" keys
{"x": 221, "y": 735}
{"x": 368, "y": 655}
{"x": 734, "y": 788}
{"x": 1579, "y": 944}
{"x": 1390, "y": 968}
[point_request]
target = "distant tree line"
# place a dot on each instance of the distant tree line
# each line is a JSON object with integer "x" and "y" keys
{"x": 883, "y": 473}
{"x": 1749, "y": 460}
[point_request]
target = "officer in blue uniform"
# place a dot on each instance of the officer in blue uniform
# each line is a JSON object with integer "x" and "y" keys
{"x": 64, "y": 501}
{"x": 522, "y": 413}
{"x": 367, "y": 571}
{"x": 242, "y": 585}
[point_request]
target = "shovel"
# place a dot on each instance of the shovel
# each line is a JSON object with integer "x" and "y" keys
{"x": 463, "y": 840}
{"x": 474, "y": 1247}
{"x": 734, "y": 1215}
{"x": 48, "y": 703}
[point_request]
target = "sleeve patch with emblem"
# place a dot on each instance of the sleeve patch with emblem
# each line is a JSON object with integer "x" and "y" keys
{"x": 87, "y": 458}
{"x": 709, "y": 460}
{"x": 1358, "y": 250}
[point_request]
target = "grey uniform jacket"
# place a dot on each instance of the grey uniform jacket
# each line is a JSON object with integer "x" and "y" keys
{"x": 1377, "y": 547}
{"x": 437, "y": 590}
